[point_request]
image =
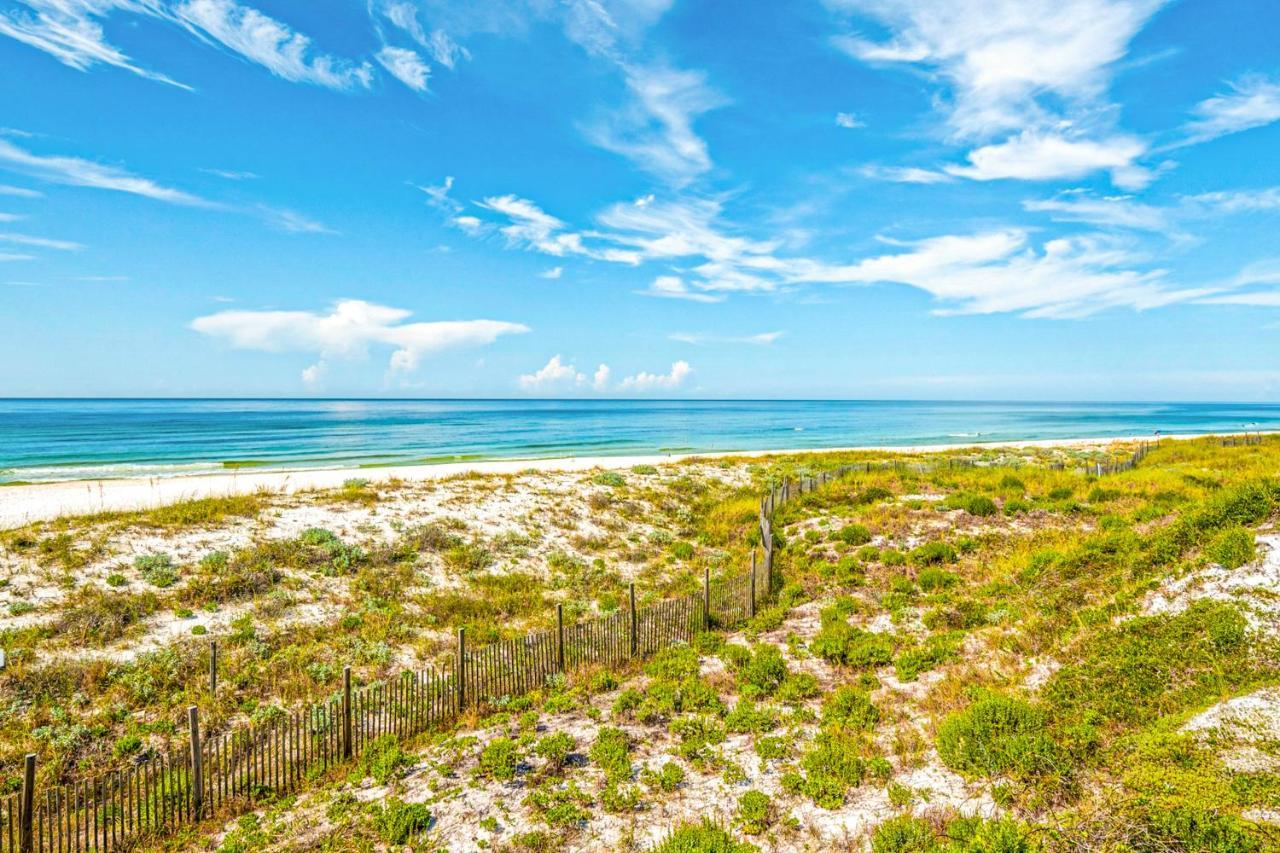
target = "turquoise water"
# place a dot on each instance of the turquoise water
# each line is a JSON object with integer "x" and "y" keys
{"x": 72, "y": 439}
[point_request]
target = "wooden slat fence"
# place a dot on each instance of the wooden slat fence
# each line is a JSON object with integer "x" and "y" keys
{"x": 231, "y": 770}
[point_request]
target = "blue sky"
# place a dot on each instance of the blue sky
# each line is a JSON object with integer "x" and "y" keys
{"x": 1026, "y": 199}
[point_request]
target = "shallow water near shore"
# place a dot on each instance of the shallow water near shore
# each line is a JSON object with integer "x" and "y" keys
{"x": 75, "y": 439}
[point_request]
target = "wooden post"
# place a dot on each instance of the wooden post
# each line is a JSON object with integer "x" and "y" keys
{"x": 752, "y": 609}
{"x": 560, "y": 637}
{"x": 213, "y": 666}
{"x": 768, "y": 570}
{"x": 461, "y": 676}
{"x": 634, "y": 643}
{"x": 706, "y": 599}
{"x": 27, "y": 806}
{"x": 346, "y": 712}
{"x": 197, "y": 763}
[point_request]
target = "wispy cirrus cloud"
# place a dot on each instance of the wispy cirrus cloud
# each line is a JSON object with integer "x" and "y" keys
{"x": 40, "y": 242}
{"x": 656, "y": 130}
{"x": 71, "y": 32}
{"x": 1028, "y": 84}
{"x": 18, "y": 192}
{"x": 88, "y": 173}
{"x": 349, "y": 329}
{"x": 762, "y": 339}
{"x": 406, "y": 66}
{"x": 994, "y": 271}
{"x": 1252, "y": 101}
{"x": 1170, "y": 219}
{"x": 674, "y": 287}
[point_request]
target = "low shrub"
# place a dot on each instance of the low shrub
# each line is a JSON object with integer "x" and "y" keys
{"x": 398, "y": 822}
{"x": 996, "y": 735}
{"x": 157, "y": 569}
{"x": 705, "y": 837}
{"x": 755, "y": 812}
{"x": 612, "y": 752}
{"x": 849, "y": 708}
{"x": 933, "y": 554}
{"x": 1231, "y": 548}
{"x": 854, "y": 534}
{"x": 383, "y": 759}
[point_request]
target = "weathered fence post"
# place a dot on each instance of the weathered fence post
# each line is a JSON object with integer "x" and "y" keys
{"x": 213, "y": 666}
{"x": 461, "y": 677}
{"x": 560, "y": 637}
{"x": 197, "y": 763}
{"x": 751, "y": 611}
{"x": 27, "y": 807}
{"x": 634, "y": 633}
{"x": 346, "y": 712}
{"x": 706, "y": 599}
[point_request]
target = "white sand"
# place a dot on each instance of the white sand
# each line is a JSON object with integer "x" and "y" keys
{"x": 24, "y": 504}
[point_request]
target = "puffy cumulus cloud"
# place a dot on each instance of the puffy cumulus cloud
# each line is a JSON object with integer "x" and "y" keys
{"x": 1253, "y": 101}
{"x": 669, "y": 381}
{"x": 349, "y": 330}
{"x": 1035, "y": 156}
{"x": 600, "y": 379}
{"x": 554, "y": 374}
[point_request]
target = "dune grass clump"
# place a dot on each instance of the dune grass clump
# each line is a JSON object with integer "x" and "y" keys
{"x": 157, "y": 569}
{"x": 93, "y": 616}
{"x": 399, "y": 822}
{"x": 705, "y": 837}
{"x": 841, "y": 643}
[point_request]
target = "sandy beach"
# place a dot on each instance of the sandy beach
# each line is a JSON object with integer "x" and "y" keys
{"x": 24, "y": 504}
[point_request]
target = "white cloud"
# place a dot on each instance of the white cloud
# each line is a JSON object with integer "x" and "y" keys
{"x": 849, "y": 121}
{"x": 231, "y": 174}
{"x": 553, "y": 273}
{"x": 1116, "y": 212}
{"x": 86, "y": 173}
{"x": 312, "y": 374}
{"x": 906, "y": 175}
{"x": 554, "y": 374}
{"x": 673, "y": 287}
{"x": 348, "y": 330}
{"x": 41, "y": 242}
{"x": 293, "y": 222}
{"x": 68, "y": 30}
{"x": 275, "y": 46}
{"x": 10, "y": 217}
{"x": 1126, "y": 212}
{"x": 1034, "y": 156}
{"x": 1006, "y": 62}
{"x": 71, "y": 32}
{"x": 1254, "y": 101}
{"x": 1264, "y": 275}
{"x": 701, "y": 339}
{"x": 655, "y": 131}
{"x": 442, "y": 48}
{"x": 20, "y": 192}
{"x": 671, "y": 380}
{"x": 600, "y": 379}
{"x": 406, "y": 66}
{"x": 1000, "y": 271}
{"x": 14, "y": 256}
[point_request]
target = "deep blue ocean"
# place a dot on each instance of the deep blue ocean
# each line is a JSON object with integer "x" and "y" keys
{"x": 72, "y": 439}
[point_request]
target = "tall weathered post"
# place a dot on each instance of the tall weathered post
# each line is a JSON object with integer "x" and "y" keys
{"x": 346, "y": 712}
{"x": 706, "y": 599}
{"x": 27, "y": 806}
{"x": 634, "y": 628}
{"x": 461, "y": 677}
{"x": 197, "y": 763}
{"x": 560, "y": 637}
{"x": 751, "y": 610}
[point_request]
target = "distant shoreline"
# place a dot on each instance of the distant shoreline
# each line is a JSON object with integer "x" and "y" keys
{"x": 27, "y": 503}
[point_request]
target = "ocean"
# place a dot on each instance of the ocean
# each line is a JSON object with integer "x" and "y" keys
{"x": 69, "y": 439}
